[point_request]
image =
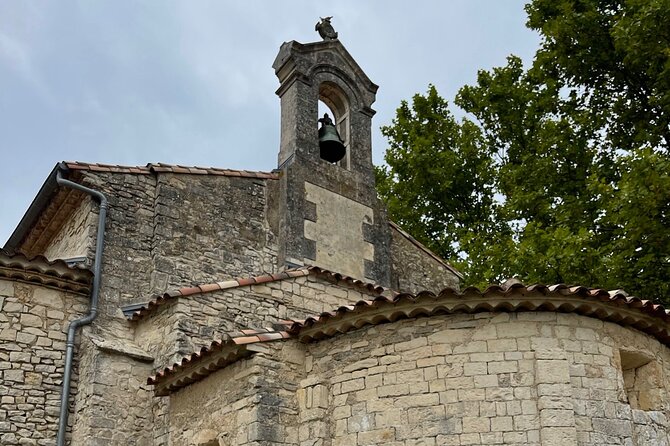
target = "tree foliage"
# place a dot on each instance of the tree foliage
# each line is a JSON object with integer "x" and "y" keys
{"x": 559, "y": 173}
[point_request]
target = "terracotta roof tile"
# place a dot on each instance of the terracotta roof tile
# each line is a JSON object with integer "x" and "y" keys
{"x": 179, "y": 169}
{"x": 237, "y": 345}
{"x": 269, "y": 336}
{"x": 337, "y": 277}
{"x": 247, "y": 340}
{"x": 596, "y": 303}
{"x": 207, "y": 288}
{"x": 190, "y": 290}
{"x": 264, "y": 279}
{"x": 42, "y": 271}
{"x": 170, "y": 294}
{"x": 248, "y": 281}
{"x": 228, "y": 284}
{"x": 167, "y": 168}
{"x": 158, "y": 167}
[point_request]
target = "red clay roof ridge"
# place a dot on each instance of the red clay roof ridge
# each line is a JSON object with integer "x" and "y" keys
{"x": 503, "y": 299}
{"x": 160, "y": 299}
{"x": 337, "y": 277}
{"x": 152, "y": 168}
{"x": 239, "y": 339}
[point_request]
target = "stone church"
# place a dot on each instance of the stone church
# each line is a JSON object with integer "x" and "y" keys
{"x": 171, "y": 305}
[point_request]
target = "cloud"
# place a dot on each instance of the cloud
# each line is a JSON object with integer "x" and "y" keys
{"x": 191, "y": 82}
{"x": 15, "y": 58}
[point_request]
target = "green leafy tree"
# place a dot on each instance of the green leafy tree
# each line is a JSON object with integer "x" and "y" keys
{"x": 447, "y": 177}
{"x": 560, "y": 173}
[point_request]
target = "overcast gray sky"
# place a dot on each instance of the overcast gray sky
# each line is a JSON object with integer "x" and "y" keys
{"x": 190, "y": 82}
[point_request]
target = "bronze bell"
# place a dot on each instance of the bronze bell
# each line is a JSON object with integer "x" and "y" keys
{"x": 330, "y": 144}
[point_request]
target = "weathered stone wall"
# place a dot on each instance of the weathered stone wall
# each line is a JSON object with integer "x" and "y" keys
{"x": 219, "y": 406}
{"x": 127, "y": 265}
{"x": 77, "y": 236}
{"x": 169, "y": 230}
{"x": 414, "y": 270}
{"x": 209, "y": 228}
{"x": 113, "y": 402}
{"x": 337, "y": 230}
{"x": 186, "y": 324}
{"x": 161, "y": 231}
{"x": 520, "y": 378}
{"x": 126, "y": 277}
{"x": 250, "y": 402}
{"x": 127, "y": 259}
{"x": 33, "y": 327}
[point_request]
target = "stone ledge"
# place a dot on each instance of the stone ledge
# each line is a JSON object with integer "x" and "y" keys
{"x": 122, "y": 348}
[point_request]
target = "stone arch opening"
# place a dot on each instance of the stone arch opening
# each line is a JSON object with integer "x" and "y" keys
{"x": 338, "y": 104}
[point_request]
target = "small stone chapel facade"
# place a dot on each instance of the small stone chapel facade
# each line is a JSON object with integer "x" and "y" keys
{"x": 284, "y": 308}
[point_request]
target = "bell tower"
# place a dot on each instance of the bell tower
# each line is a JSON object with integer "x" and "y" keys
{"x": 330, "y": 215}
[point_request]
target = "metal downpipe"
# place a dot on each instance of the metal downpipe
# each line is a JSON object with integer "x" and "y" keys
{"x": 93, "y": 312}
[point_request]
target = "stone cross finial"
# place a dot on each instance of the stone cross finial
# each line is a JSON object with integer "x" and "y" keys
{"x": 325, "y": 29}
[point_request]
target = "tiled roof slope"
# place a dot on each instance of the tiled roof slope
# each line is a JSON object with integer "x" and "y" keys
{"x": 211, "y": 358}
{"x": 616, "y": 307}
{"x": 234, "y": 283}
{"x": 39, "y": 270}
{"x": 167, "y": 168}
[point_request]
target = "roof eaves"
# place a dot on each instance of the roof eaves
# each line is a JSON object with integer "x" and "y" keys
{"x": 217, "y": 355}
{"x": 138, "y": 311}
{"x": 52, "y": 273}
{"x": 628, "y": 311}
{"x": 43, "y": 197}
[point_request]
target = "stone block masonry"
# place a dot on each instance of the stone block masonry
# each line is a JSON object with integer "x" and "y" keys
{"x": 76, "y": 237}
{"x": 526, "y": 378}
{"x": 33, "y": 327}
{"x": 249, "y": 403}
{"x": 414, "y": 269}
{"x": 535, "y": 378}
{"x": 201, "y": 237}
{"x": 337, "y": 232}
{"x": 114, "y": 404}
{"x": 186, "y": 324}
